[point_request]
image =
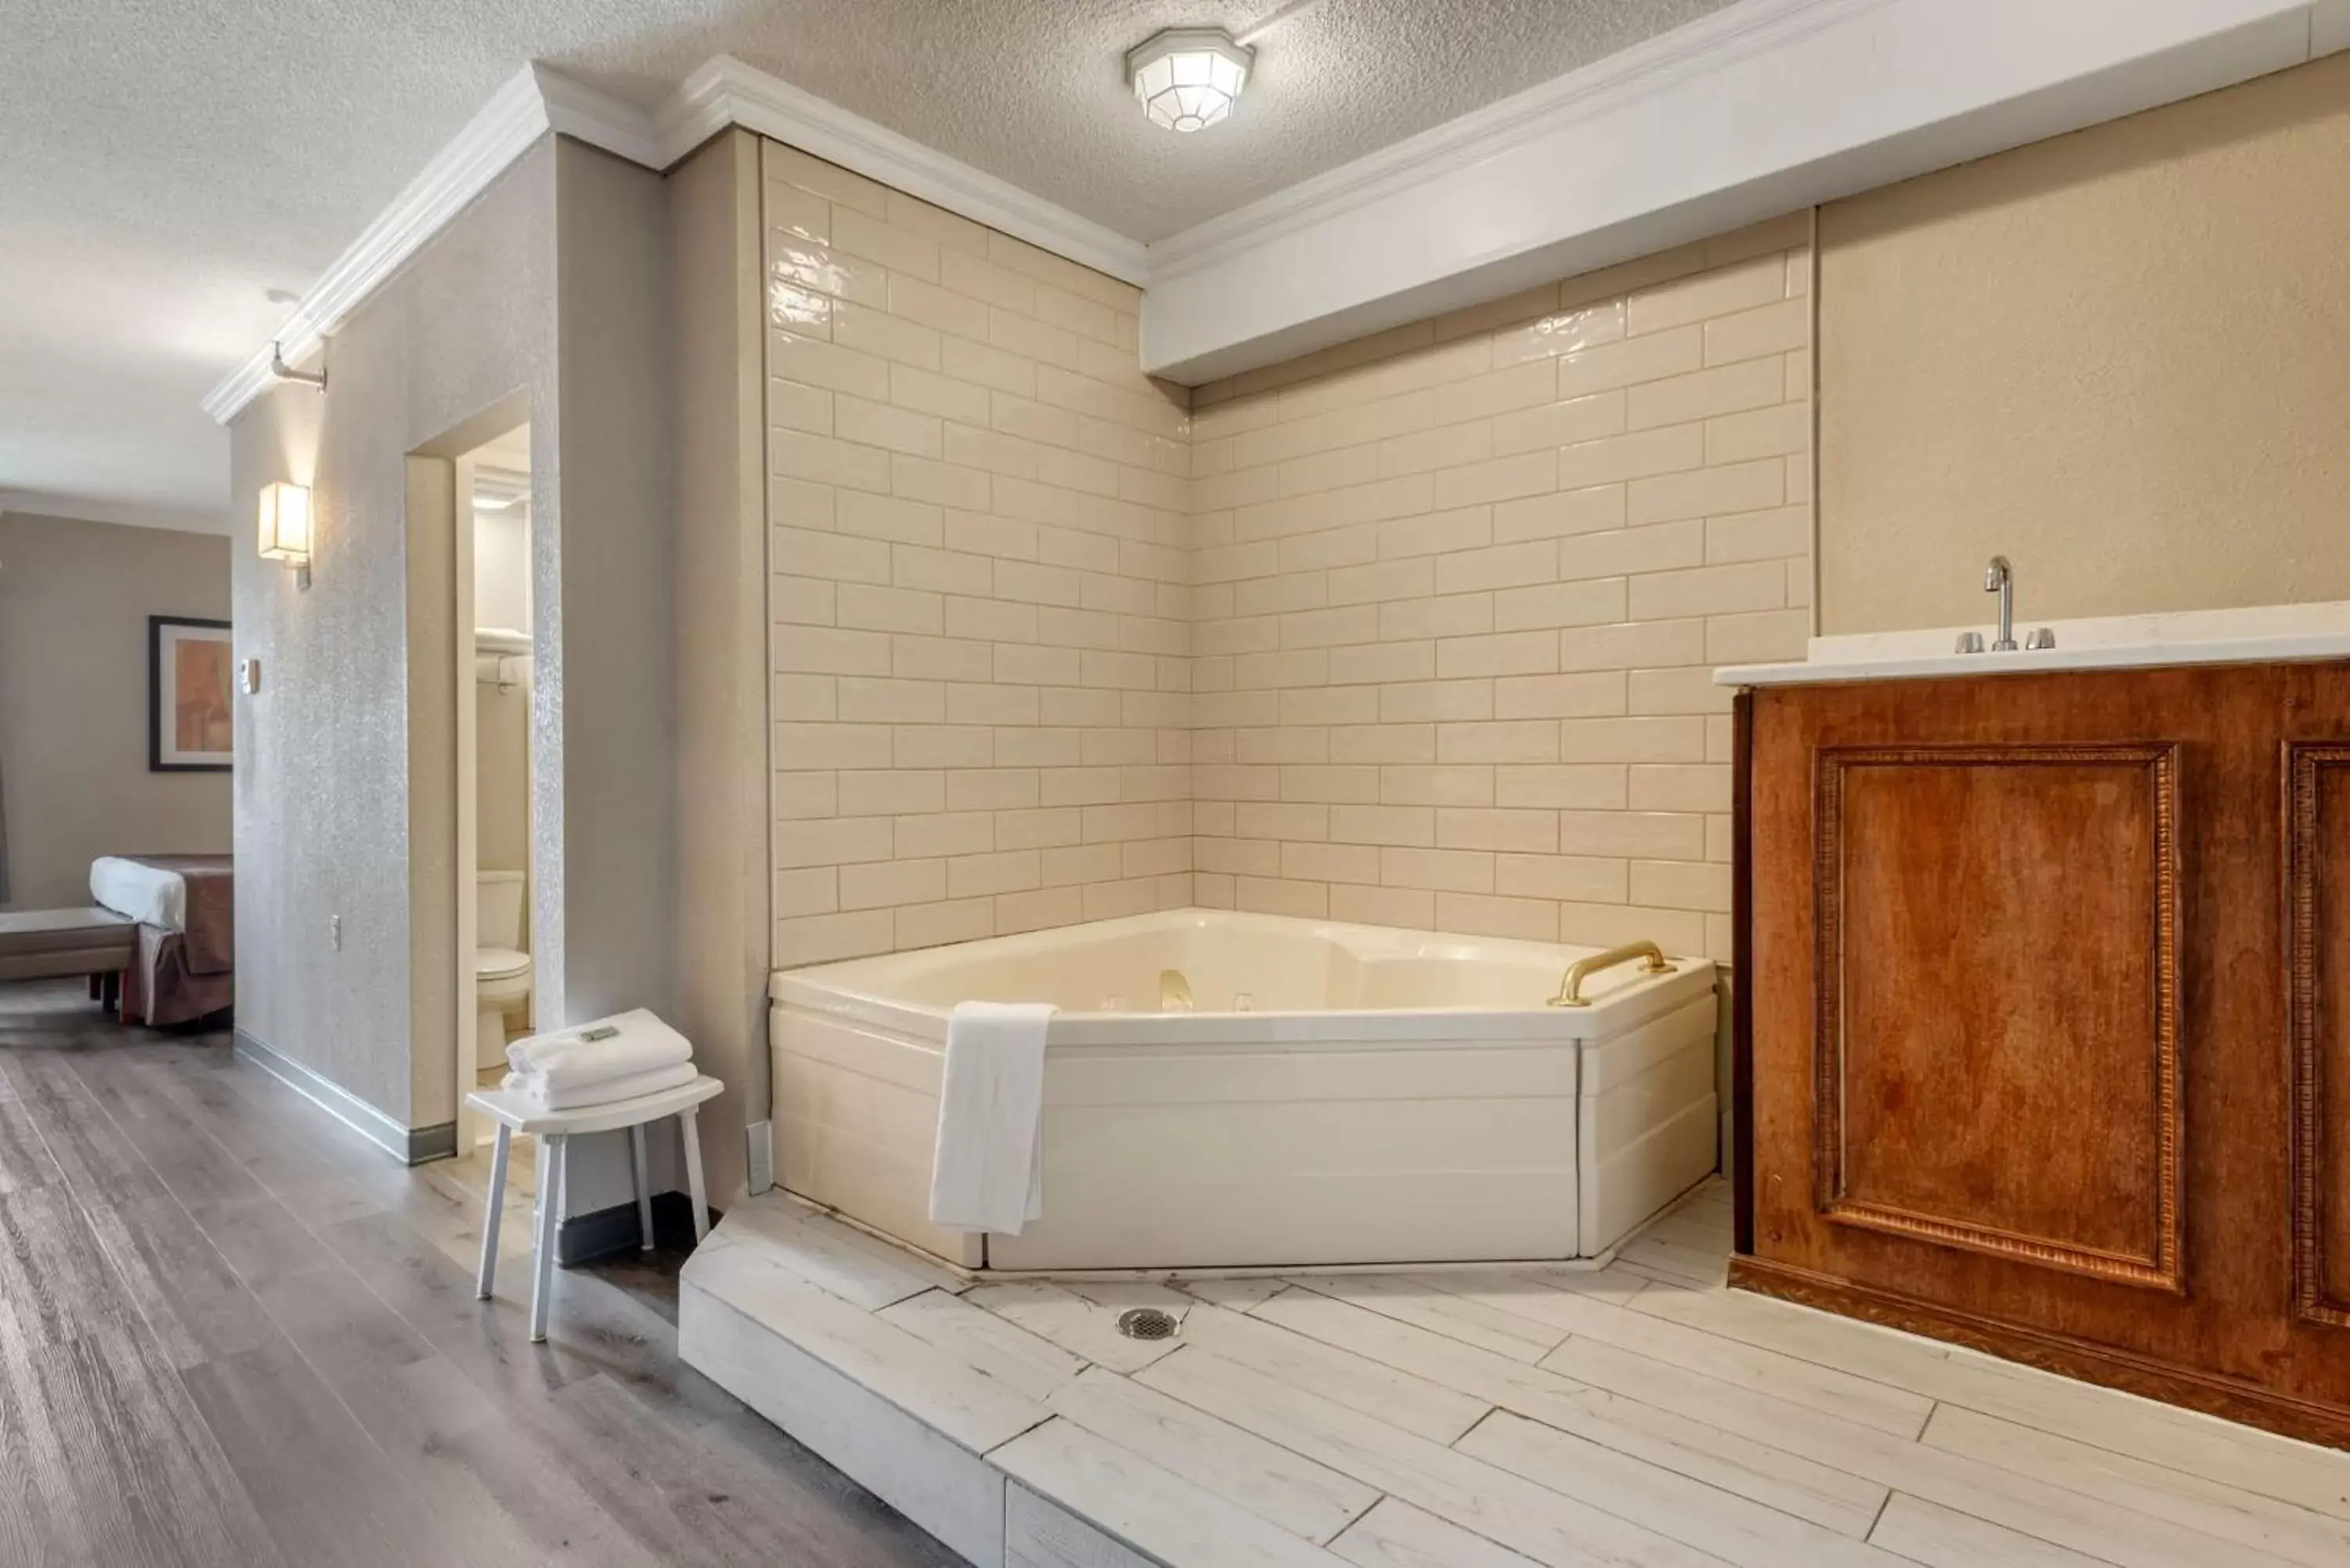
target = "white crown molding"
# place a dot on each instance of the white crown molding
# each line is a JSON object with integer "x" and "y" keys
{"x": 538, "y": 100}
{"x": 576, "y": 110}
{"x": 1761, "y": 108}
{"x": 726, "y": 92}
{"x": 515, "y": 118}
{"x": 1650, "y": 66}
{"x": 1766, "y": 107}
{"x": 128, "y": 514}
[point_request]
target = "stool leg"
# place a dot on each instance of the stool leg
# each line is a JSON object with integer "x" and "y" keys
{"x": 693, "y": 1173}
{"x": 489, "y": 1274}
{"x": 644, "y": 1188}
{"x": 552, "y": 1153}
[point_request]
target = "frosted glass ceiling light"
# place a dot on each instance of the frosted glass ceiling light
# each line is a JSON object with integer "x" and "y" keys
{"x": 1189, "y": 78}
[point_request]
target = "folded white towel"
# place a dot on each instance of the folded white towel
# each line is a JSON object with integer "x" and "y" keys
{"x": 579, "y": 1096}
{"x": 563, "y": 1060}
{"x": 988, "y": 1173}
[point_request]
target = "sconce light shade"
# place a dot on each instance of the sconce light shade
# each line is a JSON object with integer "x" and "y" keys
{"x": 286, "y": 522}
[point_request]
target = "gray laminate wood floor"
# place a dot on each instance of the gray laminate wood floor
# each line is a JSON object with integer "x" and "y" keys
{"x": 232, "y": 1331}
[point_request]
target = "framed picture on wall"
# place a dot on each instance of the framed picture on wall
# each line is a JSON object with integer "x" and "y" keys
{"x": 190, "y": 728}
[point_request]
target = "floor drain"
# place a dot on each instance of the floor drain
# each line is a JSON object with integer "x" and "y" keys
{"x": 1147, "y": 1323}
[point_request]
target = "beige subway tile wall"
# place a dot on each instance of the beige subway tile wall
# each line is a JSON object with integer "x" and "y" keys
{"x": 1458, "y": 591}
{"x": 981, "y": 636}
{"x": 1414, "y": 631}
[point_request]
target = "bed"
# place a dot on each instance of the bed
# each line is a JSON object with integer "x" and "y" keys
{"x": 183, "y": 963}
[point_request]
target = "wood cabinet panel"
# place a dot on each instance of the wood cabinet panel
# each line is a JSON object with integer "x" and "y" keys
{"x": 2317, "y": 891}
{"x": 1954, "y": 885}
{"x": 2046, "y": 1005}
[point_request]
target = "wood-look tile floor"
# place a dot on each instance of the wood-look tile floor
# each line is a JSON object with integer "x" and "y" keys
{"x": 232, "y": 1331}
{"x": 1639, "y": 1414}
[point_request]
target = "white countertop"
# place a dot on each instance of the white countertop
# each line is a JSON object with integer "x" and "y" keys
{"x": 2270, "y": 634}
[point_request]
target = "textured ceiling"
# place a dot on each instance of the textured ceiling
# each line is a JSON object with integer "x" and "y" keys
{"x": 170, "y": 163}
{"x": 1035, "y": 90}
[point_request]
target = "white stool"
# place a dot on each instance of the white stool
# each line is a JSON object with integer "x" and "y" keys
{"x": 516, "y": 1113}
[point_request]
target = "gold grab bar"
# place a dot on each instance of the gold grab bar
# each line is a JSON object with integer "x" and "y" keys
{"x": 1570, "y": 985}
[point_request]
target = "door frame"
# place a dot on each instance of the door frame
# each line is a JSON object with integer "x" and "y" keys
{"x": 467, "y": 858}
{"x": 443, "y": 752}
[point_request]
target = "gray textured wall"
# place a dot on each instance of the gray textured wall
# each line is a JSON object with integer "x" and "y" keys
{"x": 607, "y": 605}
{"x": 605, "y": 707}
{"x": 348, "y": 806}
{"x": 724, "y": 928}
{"x": 323, "y": 809}
{"x": 74, "y": 602}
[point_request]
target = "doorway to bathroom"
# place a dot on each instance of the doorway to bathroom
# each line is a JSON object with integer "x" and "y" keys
{"x": 496, "y": 669}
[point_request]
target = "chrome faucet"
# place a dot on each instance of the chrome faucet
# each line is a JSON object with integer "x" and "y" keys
{"x": 1999, "y": 578}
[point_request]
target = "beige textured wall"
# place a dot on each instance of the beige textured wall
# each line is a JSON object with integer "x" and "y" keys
{"x": 1458, "y": 589}
{"x": 978, "y": 527}
{"x": 74, "y": 602}
{"x": 501, "y": 774}
{"x": 502, "y": 706}
{"x": 2121, "y": 357}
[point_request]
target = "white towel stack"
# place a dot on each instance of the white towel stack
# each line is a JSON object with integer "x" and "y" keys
{"x": 988, "y": 1171}
{"x": 566, "y": 1072}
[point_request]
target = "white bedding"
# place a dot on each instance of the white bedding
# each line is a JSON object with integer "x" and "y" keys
{"x": 142, "y": 893}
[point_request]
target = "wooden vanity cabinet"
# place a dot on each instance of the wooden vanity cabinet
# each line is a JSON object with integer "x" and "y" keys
{"x": 2043, "y": 1019}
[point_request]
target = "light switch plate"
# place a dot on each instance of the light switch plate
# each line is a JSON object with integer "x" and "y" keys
{"x": 248, "y": 676}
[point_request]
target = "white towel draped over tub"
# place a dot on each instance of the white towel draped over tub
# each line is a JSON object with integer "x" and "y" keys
{"x": 988, "y": 1173}
{"x": 559, "y": 1062}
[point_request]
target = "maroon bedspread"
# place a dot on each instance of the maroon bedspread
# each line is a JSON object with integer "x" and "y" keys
{"x": 178, "y": 976}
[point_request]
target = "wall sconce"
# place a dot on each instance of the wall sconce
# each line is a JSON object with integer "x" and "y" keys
{"x": 286, "y": 528}
{"x": 279, "y": 368}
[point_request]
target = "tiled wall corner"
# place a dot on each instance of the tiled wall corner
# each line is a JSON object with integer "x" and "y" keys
{"x": 1417, "y": 631}
{"x": 981, "y": 623}
{"x": 1458, "y": 589}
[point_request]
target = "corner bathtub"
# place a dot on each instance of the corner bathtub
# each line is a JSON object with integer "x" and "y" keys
{"x": 1376, "y": 1096}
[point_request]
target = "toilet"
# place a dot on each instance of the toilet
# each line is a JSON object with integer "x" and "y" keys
{"x": 501, "y": 968}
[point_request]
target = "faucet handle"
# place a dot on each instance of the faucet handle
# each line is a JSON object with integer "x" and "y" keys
{"x": 1969, "y": 642}
{"x": 2044, "y": 638}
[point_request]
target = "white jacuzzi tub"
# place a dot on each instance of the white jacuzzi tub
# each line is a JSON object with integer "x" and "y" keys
{"x": 1375, "y": 1096}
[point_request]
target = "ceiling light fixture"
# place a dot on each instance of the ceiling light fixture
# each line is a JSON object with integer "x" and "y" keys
{"x": 1189, "y": 78}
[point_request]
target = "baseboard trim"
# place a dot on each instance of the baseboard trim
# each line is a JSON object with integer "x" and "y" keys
{"x": 438, "y": 1141}
{"x": 411, "y": 1146}
{"x": 604, "y": 1231}
{"x": 2212, "y": 1393}
{"x": 759, "y": 1167}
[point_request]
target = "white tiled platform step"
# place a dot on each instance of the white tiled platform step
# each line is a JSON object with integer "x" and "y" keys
{"x": 1637, "y": 1415}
